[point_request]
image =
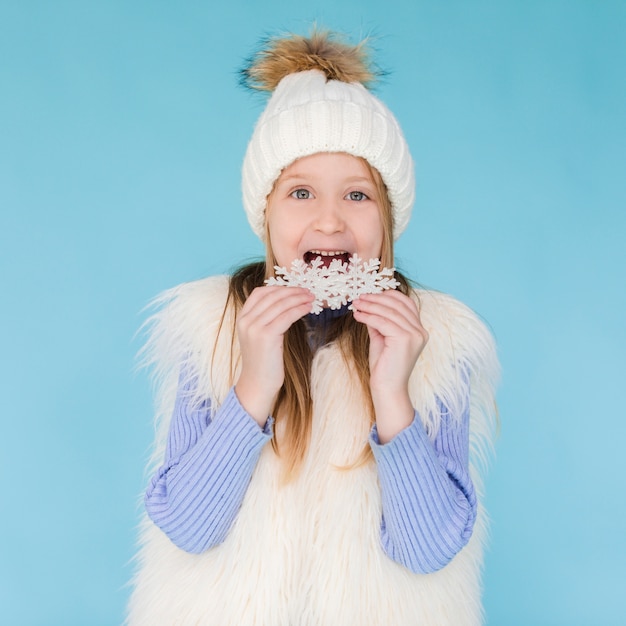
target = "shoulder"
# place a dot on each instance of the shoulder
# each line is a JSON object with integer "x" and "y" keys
{"x": 179, "y": 335}
{"x": 452, "y": 323}
{"x": 183, "y": 320}
{"x": 201, "y": 293}
{"x": 440, "y": 307}
{"x": 190, "y": 304}
{"x": 460, "y": 355}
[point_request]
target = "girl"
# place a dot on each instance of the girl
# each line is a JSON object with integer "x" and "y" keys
{"x": 316, "y": 470}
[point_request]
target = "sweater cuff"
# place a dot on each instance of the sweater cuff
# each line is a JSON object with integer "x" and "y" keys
{"x": 231, "y": 409}
{"x": 428, "y": 512}
{"x": 409, "y": 433}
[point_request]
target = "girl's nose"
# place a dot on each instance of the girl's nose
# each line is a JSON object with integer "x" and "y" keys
{"x": 329, "y": 218}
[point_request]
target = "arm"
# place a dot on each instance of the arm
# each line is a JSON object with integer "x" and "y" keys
{"x": 429, "y": 503}
{"x": 196, "y": 494}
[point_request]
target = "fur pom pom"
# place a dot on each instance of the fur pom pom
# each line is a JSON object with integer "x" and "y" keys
{"x": 321, "y": 50}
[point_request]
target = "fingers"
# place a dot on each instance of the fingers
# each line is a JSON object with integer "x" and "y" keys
{"x": 397, "y": 339}
{"x": 391, "y": 313}
{"x": 264, "y": 319}
{"x": 263, "y": 298}
{"x": 275, "y": 308}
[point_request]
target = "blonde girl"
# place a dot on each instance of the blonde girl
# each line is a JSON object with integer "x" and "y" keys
{"x": 316, "y": 469}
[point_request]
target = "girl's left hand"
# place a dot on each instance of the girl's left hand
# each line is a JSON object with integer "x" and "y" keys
{"x": 397, "y": 339}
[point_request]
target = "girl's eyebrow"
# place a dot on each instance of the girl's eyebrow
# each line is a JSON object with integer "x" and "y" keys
{"x": 291, "y": 177}
{"x": 359, "y": 179}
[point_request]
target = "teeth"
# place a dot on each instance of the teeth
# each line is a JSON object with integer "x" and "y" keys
{"x": 328, "y": 252}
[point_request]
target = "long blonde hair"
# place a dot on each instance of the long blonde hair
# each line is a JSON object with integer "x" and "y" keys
{"x": 294, "y": 398}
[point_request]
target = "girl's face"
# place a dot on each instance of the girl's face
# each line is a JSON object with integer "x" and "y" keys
{"x": 324, "y": 205}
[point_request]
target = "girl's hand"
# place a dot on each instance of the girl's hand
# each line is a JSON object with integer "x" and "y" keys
{"x": 397, "y": 338}
{"x": 262, "y": 323}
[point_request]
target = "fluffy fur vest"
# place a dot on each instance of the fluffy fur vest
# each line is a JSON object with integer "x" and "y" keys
{"x": 309, "y": 553}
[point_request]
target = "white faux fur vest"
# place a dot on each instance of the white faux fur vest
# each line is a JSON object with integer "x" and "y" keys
{"x": 309, "y": 553}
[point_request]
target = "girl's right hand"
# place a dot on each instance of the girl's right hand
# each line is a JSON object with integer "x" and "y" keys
{"x": 262, "y": 323}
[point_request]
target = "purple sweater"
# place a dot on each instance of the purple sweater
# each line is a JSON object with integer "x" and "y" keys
{"x": 428, "y": 499}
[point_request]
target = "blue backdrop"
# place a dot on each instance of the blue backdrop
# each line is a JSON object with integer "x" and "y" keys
{"x": 122, "y": 131}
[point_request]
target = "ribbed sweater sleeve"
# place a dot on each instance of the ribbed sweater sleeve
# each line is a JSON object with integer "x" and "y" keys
{"x": 196, "y": 494}
{"x": 428, "y": 498}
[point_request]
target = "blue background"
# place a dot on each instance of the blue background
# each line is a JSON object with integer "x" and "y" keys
{"x": 122, "y": 131}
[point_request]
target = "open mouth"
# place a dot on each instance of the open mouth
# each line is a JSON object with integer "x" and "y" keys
{"x": 326, "y": 256}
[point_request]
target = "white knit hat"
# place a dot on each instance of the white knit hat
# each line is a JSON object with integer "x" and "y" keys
{"x": 308, "y": 113}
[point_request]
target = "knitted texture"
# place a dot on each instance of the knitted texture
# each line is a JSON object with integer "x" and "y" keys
{"x": 308, "y": 114}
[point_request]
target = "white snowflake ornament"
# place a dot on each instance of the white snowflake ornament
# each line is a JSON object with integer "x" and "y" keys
{"x": 337, "y": 284}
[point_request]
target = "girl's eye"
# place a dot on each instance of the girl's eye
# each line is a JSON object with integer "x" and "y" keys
{"x": 301, "y": 194}
{"x": 357, "y": 196}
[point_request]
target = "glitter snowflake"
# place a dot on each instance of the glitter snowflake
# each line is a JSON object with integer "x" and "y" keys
{"x": 339, "y": 283}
